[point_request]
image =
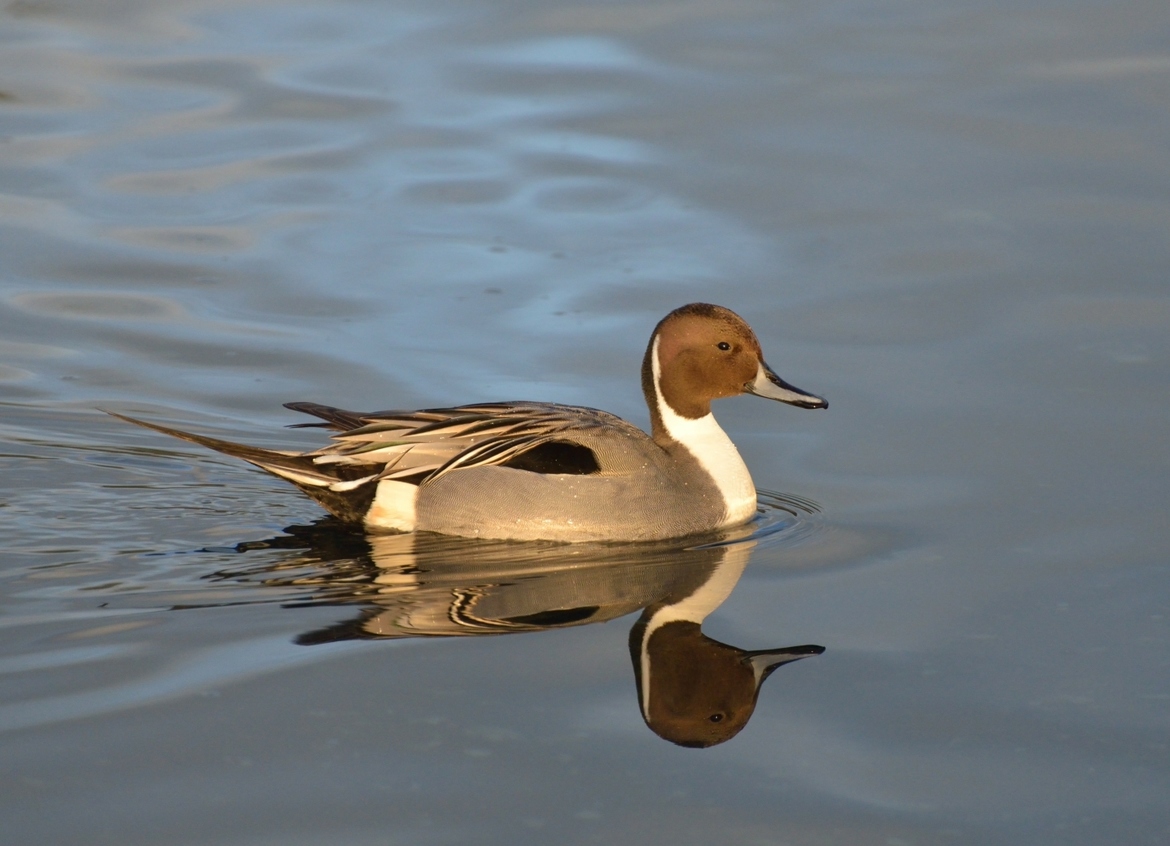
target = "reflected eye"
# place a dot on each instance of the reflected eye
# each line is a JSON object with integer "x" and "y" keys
{"x": 723, "y": 345}
{"x": 716, "y": 718}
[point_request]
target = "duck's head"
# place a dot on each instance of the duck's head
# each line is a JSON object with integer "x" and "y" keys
{"x": 702, "y": 352}
{"x": 696, "y": 691}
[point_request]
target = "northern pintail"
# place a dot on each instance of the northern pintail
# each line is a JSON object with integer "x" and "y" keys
{"x": 544, "y": 471}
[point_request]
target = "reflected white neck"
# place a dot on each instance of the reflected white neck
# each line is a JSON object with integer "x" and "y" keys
{"x": 695, "y": 608}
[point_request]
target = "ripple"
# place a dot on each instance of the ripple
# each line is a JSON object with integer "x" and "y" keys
{"x": 327, "y": 562}
{"x": 458, "y": 191}
{"x": 21, "y": 349}
{"x": 15, "y": 374}
{"x": 103, "y": 306}
{"x": 570, "y": 53}
{"x": 591, "y": 196}
{"x": 198, "y": 239}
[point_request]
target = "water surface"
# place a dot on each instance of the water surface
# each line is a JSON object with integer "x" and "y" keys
{"x": 950, "y": 219}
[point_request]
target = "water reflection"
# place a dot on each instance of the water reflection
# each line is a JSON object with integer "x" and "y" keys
{"x": 692, "y": 690}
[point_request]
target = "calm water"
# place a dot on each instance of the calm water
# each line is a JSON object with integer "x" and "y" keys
{"x": 951, "y": 219}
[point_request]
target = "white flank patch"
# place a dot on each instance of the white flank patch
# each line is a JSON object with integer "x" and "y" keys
{"x": 715, "y": 452}
{"x": 394, "y": 506}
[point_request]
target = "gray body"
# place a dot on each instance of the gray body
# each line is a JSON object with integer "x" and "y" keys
{"x": 642, "y": 492}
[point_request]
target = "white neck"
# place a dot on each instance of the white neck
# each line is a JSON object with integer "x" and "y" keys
{"x": 695, "y": 608}
{"x": 714, "y": 451}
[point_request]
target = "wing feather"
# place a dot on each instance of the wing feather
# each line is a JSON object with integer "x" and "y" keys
{"x": 436, "y": 441}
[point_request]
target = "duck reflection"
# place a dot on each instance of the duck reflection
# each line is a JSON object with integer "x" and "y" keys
{"x": 692, "y": 690}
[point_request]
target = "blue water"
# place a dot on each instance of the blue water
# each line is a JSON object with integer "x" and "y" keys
{"x": 949, "y": 219}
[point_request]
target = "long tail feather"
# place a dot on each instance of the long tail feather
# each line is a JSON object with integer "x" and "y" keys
{"x": 336, "y": 493}
{"x": 293, "y": 467}
{"x": 335, "y": 418}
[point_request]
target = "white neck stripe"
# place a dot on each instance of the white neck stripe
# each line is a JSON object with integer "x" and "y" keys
{"x": 711, "y": 447}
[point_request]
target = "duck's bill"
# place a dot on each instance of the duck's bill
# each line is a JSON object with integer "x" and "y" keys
{"x": 770, "y": 386}
{"x": 765, "y": 661}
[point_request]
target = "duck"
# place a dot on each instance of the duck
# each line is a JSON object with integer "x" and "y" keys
{"x": 530, "y": 471}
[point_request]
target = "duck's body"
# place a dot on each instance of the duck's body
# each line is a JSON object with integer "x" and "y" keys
{"x": 619, "y": 485}
{"x": 528, "y": 471}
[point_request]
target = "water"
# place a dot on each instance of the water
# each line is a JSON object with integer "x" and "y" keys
{"x": 949, "y": 219}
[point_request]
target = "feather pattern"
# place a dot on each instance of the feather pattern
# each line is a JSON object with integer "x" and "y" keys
{"x": 416, "y": 447}
{"x": 433, "y": 442}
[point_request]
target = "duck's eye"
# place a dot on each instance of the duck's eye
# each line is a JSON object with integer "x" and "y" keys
{"x": 723, "y": 345}
{"x": 716, "y": 718}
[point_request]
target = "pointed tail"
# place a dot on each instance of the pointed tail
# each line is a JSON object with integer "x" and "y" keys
{"x": 296, "y": 468}
{"x": 343, "y": 491}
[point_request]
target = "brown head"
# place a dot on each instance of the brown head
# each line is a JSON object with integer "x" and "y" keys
{"x": 702, "y": 352}
{"x": 700, "y": 692}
